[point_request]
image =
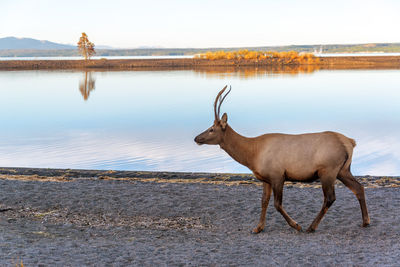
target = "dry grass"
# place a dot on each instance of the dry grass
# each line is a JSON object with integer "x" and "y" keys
{"x": 35, "y": 178}
{"x": 291, "y": 57}
{"x": 101, "y": 220}
{"x": 368, "y": 182}
{"x": 185, "y": 181}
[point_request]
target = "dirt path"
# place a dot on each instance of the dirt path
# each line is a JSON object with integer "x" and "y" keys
{"x": 110, "y": 220}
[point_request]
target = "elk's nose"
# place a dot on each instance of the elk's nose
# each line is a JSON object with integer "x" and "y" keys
{"x": 198, "y": 140}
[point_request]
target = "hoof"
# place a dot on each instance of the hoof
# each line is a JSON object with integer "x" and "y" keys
{"x": 256, "y": 231}
{"x": 366, "y": 224}
{"x": 310, "y": 230}
{"x": 298, "y": 227}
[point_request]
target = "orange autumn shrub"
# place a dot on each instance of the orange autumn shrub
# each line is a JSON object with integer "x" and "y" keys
{"x": 290, "y": 57}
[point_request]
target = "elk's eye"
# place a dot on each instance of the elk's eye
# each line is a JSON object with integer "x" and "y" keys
{"x": 211, "y": 130}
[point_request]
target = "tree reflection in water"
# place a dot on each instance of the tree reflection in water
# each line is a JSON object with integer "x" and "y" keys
{"x": 87, "y": 84}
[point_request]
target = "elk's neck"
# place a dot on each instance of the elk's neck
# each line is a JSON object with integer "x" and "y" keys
{"x": 240, "y": 148}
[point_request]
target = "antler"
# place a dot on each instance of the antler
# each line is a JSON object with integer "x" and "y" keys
{"x": 216, "y": 101}
{"x": 220, "y": 99}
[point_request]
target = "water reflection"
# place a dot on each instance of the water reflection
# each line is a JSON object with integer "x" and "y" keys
{"x": 146, "y": 120}
{"x": 244, "y": 72}
{"x": 87, "y": 84}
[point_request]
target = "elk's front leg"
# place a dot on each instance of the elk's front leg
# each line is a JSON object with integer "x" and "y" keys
{"x": 278, "y": 191}
{"x": 264, "y": 204}
{"x": 328, "y": 187}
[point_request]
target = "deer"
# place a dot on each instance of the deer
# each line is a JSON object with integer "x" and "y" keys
{"x": 275, "y": 158}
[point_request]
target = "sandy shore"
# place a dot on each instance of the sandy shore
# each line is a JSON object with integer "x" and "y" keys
{"x": 359, "y": 62}
{"x": 75, "y": 218}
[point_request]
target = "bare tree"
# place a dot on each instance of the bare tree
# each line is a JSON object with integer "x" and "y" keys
{"x": 85, "y": 47}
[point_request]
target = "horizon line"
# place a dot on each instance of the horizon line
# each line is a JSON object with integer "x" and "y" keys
{"x": 207, "y": 47}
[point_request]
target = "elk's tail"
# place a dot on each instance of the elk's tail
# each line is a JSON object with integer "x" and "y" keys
{"x": 353, "y": 142}
{"x": 348, "y": 144}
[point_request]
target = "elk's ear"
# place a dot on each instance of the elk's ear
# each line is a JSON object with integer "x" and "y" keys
{"x": 224, "y": 121}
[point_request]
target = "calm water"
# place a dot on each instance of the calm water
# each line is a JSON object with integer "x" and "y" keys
{"x": 146, "y": 120}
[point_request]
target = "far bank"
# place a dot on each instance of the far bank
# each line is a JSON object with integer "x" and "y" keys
{"x": 339, "y": 62}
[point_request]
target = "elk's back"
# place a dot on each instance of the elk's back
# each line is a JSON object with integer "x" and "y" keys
{"x": 301, "y": 157}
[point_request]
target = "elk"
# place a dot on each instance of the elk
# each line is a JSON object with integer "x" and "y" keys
{"x": 275, "y": 158}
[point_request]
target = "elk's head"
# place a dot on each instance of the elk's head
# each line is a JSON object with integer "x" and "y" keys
{"x": 214, "y": 134}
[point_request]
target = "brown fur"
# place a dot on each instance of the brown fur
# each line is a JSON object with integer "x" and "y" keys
{"x": 275, "y": 157}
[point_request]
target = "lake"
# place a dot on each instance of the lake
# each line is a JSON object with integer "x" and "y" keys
{"x": 146, "y": 120}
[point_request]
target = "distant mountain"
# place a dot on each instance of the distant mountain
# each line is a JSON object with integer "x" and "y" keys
{"x": 148, "y": 47}
{"x": 27, "y": 47}
{"x": 30, "y": 44}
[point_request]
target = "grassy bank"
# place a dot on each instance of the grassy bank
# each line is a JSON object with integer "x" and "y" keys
{"x": 362, "y": 62}
{"x": 68, "y": 175}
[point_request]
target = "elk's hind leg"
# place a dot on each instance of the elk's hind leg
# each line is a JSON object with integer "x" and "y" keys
{"x": 264, "y": 204}
{"x": 349, "y": 181}
{"x": 278, "y": 192}
{"x": 328, "y": 187}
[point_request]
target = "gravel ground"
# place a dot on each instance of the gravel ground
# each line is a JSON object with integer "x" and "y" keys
{"x": 114, "y": 222}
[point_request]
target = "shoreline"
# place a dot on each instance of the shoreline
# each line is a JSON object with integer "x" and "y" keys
{"x": 68, "y": 175}
{"x": 89, "y": 217}
{"x": 330, "y": 63}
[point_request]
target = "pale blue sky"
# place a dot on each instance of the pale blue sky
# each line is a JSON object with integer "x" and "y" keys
{"x": 206, "y": 23}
